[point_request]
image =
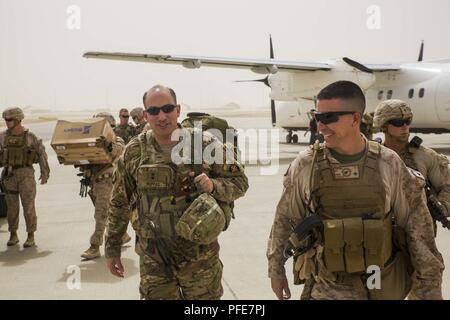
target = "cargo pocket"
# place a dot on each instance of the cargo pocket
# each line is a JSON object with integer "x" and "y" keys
{"x": 395, "y": 281}
{"x": 334, "y": 245}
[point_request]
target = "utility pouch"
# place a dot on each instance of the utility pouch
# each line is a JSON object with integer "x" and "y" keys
{"x": 155, "y": 179}
{"x": 395, "y": 281}
{"x": 334, "y": 245}
{"x": 353, "y": 238}
{"x": 374, "y": 236}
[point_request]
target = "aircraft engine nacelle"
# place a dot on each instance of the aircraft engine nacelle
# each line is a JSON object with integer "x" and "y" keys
{"x": 192, "y": 64}
{"x": 290, "y": 86}
{"x": 265, "y": 70}
{"x": 293, "y": 114}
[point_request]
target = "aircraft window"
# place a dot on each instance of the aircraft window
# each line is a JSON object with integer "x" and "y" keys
{"x": 421, "y": 92}
{"x": 380, "y": 95}
{"x": 411, "y": 93}
{"x": 389, "y": 94}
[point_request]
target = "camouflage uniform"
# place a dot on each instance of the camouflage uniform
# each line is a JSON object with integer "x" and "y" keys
{"x": 433, "y": 166}
{"x": 100, "y": 190}
{"x": 137, "y": 115}
{"x": 197, "y": 268}
{"x": 140, "y": 127}
{"x": 366, "y": 126}
{"x": 19, "y": 181}
{"x": 403, "y": 198}
{"x": 126, "y": 132}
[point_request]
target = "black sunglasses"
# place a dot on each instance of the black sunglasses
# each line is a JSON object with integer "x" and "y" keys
{"x": 8, "y": 120}
{"x": 330, "y": 117}
{"x": 399, "y": 122}
{"x": 154, "y": 111}
{"x": 124, "y": 116}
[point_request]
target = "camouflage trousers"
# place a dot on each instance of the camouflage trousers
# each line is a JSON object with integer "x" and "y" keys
{"x": 334, "y": 291}
{"x": 101, "y": 191}
{"x": 21, "y": 185}
{"x": 194, "y": 280}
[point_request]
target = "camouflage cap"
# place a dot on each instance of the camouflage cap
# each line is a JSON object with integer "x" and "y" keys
{"x": 13, "y": 113}
{"x": 389, "y": 110}
{"x": 136, "y": 112}
{"x": 108, "y": 116}
{"x": 203, "y": 220}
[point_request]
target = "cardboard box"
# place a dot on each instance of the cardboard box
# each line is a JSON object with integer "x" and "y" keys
{"x": 80, "y": 143}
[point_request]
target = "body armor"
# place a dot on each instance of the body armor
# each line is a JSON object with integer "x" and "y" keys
{"x": 357, "y": 232}
{"x": 17, "y": 153}
{"x": 165, "y": 192}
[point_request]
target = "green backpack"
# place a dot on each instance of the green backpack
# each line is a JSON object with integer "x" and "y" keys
{"x": 211, "y": 122}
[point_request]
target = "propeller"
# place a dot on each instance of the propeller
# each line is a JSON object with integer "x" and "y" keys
{"x": 266, "y": 82}
{"x": 357, "y": 65}
{"x": 420, "y": 53}
{"x": 272, "y": 56}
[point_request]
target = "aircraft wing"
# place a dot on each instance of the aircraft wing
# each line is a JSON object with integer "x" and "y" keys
{"x": 382, "y": 67}
{"x": 193, "y": 62}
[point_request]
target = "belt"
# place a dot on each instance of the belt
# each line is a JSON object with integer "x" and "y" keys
{"x": 19, "y": 167}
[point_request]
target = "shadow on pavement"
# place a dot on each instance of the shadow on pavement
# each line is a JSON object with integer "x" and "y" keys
{"x": 16, "y": 255}
{"x": 95, "y": 271}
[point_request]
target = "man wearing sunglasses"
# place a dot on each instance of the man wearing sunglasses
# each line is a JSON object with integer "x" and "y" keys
{"x": 125, "y": 130}
{"x": 137, "y": 114}
{"x": 163, "y": 192}
{"x": 363, "y": 194}
{"x": 393, "y": 118}
{"x": 19, "y": 150}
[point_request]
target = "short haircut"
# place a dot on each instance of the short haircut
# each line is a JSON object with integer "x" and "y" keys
{"x": 123, "y": 110}
{"x": 160, "y": 87}
{"x": 345, "y": 90}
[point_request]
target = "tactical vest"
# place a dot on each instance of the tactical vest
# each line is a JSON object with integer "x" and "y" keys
{"x": 350, "y": 198}
{"x": 164, "y": 190}
{"x": 17, "y": 153}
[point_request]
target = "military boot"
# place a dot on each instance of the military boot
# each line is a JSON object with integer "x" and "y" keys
{"x": 91, "y": 253}
{"x": 126, "y": 238}
{"x": 13, "y": 239}
{"x": 30, "y": 241}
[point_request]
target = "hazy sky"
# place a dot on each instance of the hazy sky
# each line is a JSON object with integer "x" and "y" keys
{"x": 41, "y": 60}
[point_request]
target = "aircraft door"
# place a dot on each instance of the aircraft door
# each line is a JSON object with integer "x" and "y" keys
{"x": 443, "y": 98}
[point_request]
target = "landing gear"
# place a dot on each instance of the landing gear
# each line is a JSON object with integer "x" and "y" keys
{"x": 291, "y": 138}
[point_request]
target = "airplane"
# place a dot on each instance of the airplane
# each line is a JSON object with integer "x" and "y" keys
{"x": 294, "y": 85}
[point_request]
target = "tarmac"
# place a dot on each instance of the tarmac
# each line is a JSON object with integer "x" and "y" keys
{"x": 54, "y": 270}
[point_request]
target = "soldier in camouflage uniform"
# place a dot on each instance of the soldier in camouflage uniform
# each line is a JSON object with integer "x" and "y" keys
{"x": 373, "y": 211}
{"x": 19, "y": 150}
{"x": 147, "y": 178}
{"x": 100, "y": 177}
{"x": 394, "y": 118}
{"x": 366, "y": 126}
{"x": 137, "y": 114}
{"x": 124, "y": 130}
